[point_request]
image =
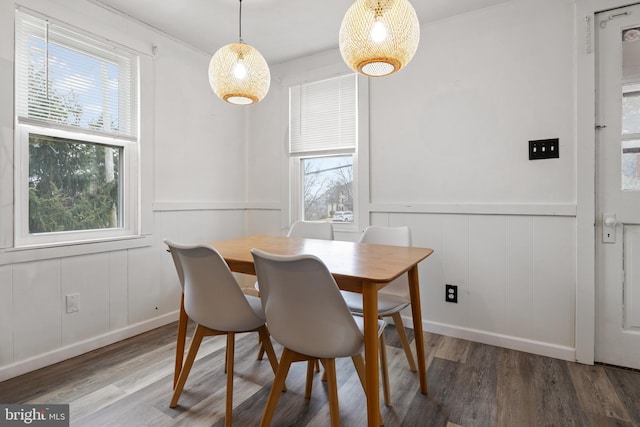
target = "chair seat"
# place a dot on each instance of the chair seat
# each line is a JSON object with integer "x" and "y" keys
{"x": 360, "y": 322}
{"x": 213, "y": 321}
{"x": 387, "y": 303}
{"x": 256, "y": 305}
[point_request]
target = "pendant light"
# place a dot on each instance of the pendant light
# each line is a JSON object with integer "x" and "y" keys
{"x": 238, "y": 74}
{"x": 379, "y": 37}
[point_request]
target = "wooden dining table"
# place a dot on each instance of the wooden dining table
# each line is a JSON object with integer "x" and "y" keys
{"x": 357, "y": 267}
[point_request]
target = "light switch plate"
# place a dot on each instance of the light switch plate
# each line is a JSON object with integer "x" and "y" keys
{"x": 544, "y": 149}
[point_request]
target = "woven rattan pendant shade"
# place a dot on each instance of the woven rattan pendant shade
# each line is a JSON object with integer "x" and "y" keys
{"x": 379, "y": 37}
{"x": 238, "y": 74}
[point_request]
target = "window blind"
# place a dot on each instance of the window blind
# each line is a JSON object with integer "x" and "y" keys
{"x": 70, "y": 79}
{"x": 323, "y": 115}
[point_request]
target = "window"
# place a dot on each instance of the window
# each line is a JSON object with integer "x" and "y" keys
{"x": 76, "y": 135}
{"x": 631, "y": 136}
{"x": 323, "y": 141}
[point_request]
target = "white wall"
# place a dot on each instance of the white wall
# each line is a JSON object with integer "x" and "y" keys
{"x": 479, "y": 88}
{"x": 193, "y": 174}
{"x": 449, "y": 157}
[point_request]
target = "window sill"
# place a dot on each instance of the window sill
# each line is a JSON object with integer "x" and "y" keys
{"x": 68, "y": 249}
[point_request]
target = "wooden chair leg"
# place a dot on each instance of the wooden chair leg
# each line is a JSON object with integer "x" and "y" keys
{"x": 180, "y": 340}
{"x": 230, "y": 338}
{"x": 316, "y": 364}
{"x": 385, "y": 371}
{"x": 397, "y": 321}
{"x": 332, "y": 388}
{"x": 265, "y": 338}
{"x": 358, "y": 363}
{"x": 260, "y": 354}
{"x": 267, "y": 347}
{"x": 231, "y": 343}
{"x": 188, "y": 363}
{"x": 310, "y": 368}
{"x": 278, "y": 383}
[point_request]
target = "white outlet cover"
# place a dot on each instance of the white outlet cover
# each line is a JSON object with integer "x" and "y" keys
{"x": 73, "y": 303}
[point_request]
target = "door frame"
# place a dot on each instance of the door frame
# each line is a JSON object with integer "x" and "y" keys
{"x": 585, "y": 45}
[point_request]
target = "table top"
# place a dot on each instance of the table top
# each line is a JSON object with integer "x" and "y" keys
{"x": 346, "y": 260}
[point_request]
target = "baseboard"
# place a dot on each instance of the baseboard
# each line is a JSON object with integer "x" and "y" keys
{"x": 514, "y": 343}
{"x": 73, "y": 350}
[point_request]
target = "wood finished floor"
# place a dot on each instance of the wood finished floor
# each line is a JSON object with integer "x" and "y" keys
{"x": 129, "y": 384}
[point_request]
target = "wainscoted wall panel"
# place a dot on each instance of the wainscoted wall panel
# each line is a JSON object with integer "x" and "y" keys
{"x": 455, "y": 267}
{"x": 6, "y": 314}
{"x": 226, "y": 224}
{"x": 487, "y": 273}
{"x": 264, "y": 222}
{"x": 145, "y": 290}
{"x": 519, "y": 277}
{"x": 515, "y": 276}
{"x": 36, "y": 308}
{"x": 168, "y": 227}
{"x": 118, "y": 290}
{"x": 191, "y": 227}
{"x": 426, "y": 231}
{"x": 89, "y": 276}
{"x": 199, "y": 226}
{"x": 554, "y": 292}
{"x": 121, "y": 292}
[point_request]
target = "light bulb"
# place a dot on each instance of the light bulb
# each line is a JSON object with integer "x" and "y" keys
{"x": 240, "y": 71}
{"x": 379, "y": 32}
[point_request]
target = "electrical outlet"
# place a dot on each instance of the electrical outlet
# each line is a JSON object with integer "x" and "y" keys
{"x": 73, "y": 303}
{"x": 451, "y": 293}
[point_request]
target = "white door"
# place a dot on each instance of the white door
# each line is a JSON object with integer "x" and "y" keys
{"x": 618, "y": 187}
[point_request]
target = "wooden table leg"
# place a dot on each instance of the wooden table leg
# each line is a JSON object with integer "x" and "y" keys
{"x": 370, "y": 314}
{"x": 416, "y": 312}
{"x": 180, "y": 341}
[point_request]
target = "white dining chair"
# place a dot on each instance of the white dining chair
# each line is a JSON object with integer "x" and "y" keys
{"x": 307, "y": 230}
{"x": 308, "y": 316}
{"x": 311, "y": 230}
{"x": 215, "y": 302}
{"x": 394, "y": 297}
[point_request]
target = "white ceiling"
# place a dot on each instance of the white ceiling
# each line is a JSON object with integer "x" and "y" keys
{"x": 279, "y": 29}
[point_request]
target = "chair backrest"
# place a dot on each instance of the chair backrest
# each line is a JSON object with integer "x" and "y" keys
{"x": 212, "y": 296}
{"x": 311, "y": 230}
{"x": 393, "y": 236}
{"x": 303, "y": 306}
{"x": 178, "y": 264}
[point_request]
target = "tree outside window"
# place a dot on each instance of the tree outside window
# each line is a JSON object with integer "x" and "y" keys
{"x": 328, "y": 187}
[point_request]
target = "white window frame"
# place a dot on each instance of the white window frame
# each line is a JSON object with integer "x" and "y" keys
{"x": 360, "y": 159}
{"x": 297, "y": 184}
{"x": 129, "y": 185}
{"x": 133, "y": 209}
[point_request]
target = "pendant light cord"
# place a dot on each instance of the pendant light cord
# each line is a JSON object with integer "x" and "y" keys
{"x": 240, "y": 22}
